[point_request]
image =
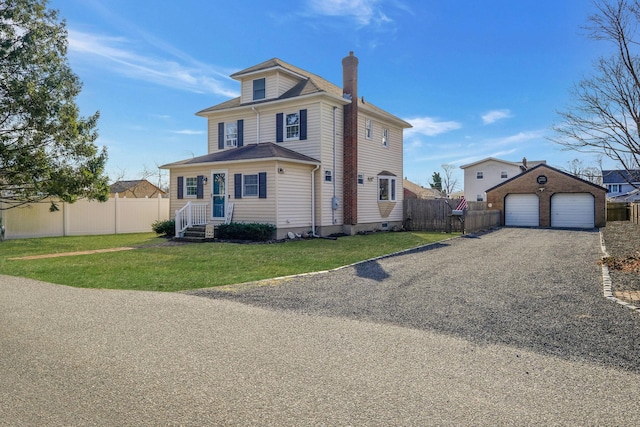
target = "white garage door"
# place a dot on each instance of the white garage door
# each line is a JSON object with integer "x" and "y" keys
{"x": 521, "y": 210}
{"x": 572, "y": 210}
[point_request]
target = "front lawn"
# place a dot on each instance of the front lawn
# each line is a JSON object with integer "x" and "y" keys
{"x": 156, "y": 266}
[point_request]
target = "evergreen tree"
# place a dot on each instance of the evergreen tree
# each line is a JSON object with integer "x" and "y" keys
{"x": 47, "y": 149}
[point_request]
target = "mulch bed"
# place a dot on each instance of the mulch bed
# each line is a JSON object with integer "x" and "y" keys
{"x": 622, "y": 240}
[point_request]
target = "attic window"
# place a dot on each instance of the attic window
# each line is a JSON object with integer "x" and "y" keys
{"x": 259, "y": 91}
{"x": 503, "y": 175}
{"x": 479, "y": 175}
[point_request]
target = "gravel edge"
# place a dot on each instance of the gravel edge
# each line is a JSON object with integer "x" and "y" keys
{"x": 606, "y": 280}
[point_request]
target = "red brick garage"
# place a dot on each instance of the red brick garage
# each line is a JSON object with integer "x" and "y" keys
{"x": 547, "y": 197}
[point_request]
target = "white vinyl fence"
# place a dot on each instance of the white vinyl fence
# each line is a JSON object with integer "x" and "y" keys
{"x": 115, "y": 216}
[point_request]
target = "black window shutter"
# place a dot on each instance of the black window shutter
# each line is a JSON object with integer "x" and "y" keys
{"x": 220, "y": 136}
{"x": 241, "y": 133}
{"x": 200, "y": 187}
{"x": 180, "y": 187}
{"x": 237, "y": 184}
{"x": 262, "y": 185}
{"x": 279, "y": 127}
{"x": 303, "y": 124}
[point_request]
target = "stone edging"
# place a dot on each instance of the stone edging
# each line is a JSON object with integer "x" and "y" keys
{"x": 606, "y": 280}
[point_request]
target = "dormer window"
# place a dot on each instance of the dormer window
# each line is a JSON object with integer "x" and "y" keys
{"x": 259, "y": 89}
{"x": 292, "y": 126}
{"x": 231, "y": 134}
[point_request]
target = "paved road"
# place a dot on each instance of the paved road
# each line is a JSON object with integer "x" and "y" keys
{"x": 98, "y": 357}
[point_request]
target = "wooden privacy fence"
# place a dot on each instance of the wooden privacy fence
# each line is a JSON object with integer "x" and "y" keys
{"x": 634, "y": 213}
{"x": 435, "y": 215}
{"x": 617, "y": 211}
{"x": 115, "y": 216}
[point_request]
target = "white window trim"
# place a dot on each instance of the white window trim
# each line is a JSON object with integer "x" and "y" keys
{"x": 360, "y": 179}
{"x": 368, "y": 128}
{"x": 385, "y": 137}
{"x": 244, "y": 185}
{"x": 328, "y": 176}
{"x": 392, "y": 188}
{"x": 194, "y": 186}
{"x": 286, "y": 127}
{"x": 505, "y": 173}
{"x": 233, "y": 140}
{"x": 479, "y": 175}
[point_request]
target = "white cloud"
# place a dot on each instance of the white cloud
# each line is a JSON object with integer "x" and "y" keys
{"x": 118, "y": 54}
{"x": 188, "y": 132}
{"x": 495, "y": 115}
{"x": 365, "y": 12}
{"x": 429, "y": 126}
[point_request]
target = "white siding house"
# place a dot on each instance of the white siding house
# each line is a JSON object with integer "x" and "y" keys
{"x": 487, "y": 173}
{"x": 293, "y": 151}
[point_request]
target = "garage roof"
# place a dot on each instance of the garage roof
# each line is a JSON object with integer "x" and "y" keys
{"x": 545, "y": 166}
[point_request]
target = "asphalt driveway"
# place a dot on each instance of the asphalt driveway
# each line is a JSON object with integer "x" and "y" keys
{"x": 536, "y": 289}
{"x": 506, "y": 329}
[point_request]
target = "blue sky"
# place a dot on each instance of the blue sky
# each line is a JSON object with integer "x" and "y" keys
{"x": 476, "y": 79}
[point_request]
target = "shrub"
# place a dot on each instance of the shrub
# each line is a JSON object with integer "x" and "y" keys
{"x": 251, "y": 231}
{"x": 166, "y": 228}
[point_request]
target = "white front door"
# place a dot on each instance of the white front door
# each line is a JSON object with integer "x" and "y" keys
{"x": 218, "y": 194}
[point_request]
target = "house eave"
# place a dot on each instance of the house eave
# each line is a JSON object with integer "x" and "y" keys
{"x": 257, "y": 105}
{"x": 240, "y": 75}
{"x": 180, "y": 165}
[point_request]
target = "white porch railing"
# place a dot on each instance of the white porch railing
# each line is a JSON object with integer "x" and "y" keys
{"x": 190, "y": 214}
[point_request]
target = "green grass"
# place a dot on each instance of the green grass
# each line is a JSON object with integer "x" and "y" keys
{"x": 174, "y": 268}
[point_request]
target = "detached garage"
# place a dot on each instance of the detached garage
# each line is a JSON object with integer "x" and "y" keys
{"x": 547, "y": 197}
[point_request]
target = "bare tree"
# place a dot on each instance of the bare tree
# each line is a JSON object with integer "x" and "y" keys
{"x": 605, "y": 117}
{"x": 449, "y": 181}
{"x": 589, "y": 173}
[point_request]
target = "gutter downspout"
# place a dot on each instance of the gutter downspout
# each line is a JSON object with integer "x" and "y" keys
{"x": 334, "y": 199}
{"x": 313, "y": 201}
{"x": 257, "y": 124}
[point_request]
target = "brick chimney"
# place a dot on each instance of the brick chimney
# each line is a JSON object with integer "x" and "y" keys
{"x": 350, "y": 179}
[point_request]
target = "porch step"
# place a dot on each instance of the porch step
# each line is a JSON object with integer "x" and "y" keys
{"x": 195, "y": 233}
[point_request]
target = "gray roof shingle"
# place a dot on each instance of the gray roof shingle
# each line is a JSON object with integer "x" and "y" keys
{"x": 262, "y": 151}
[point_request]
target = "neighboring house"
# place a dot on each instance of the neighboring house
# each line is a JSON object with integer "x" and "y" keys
{"x": 620, "y": 183}
{"x": 295, "y": 151}
{"x": 415, "y": 191}
{"x": 630, "y": 197}
{"x": 547, "y": 197}
{"x": 139, "y": 188}
{"x": 484, "y": 174}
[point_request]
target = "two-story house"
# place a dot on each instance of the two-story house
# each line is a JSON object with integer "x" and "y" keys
{"x": 295, "y": 151}
{"x": 487, "y": 173}
{"x": 621, "y": 184}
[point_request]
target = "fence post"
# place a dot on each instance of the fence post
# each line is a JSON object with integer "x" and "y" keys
{"x": 65, "y": 219}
